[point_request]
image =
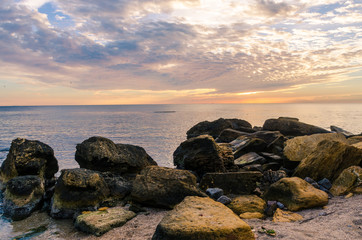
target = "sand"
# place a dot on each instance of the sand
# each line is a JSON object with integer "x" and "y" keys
{"x": 340, "y": 219}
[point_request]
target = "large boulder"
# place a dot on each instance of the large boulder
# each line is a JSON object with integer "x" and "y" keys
{"x": 202, "y": 154}
{"x": 229, "y": 135}
{"x": 232, "y": 182}
{"x": 350, "y": 180}
{"x": 100, "y": 222}
{"x": 292, "y": 127}
{"x": 23, "y": 195}
{"x": 28, "y": 157}
{"x": 164, "y": 187}
{"x": 248, "y": 204}
{"x": 78, "y": 190}
{"x": 296, "y": 194}
{"x": 198, "y": 218}
{"x": 216, "y": 127}
{"x": 298, "y": 148}
{"x": 102, "y": 154}
{"x": 328, "y": 160}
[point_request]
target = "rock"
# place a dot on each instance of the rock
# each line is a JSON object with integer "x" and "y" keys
{"x": 118, "y": 186}
{"x": 296, "y": 194}
{"x": 271, "y": 206}
{"x": 290, "y": 127}
{"x": 102, "y": 154}
{"x": 312, "y": 182}
{"x": 253, "y": 167}
{"x": 224, "y": 200}
{"x": 280, "y": 205}
{"x": 271, "y": 176}
{"x": 233, "y": 182}
{"x": 274, "y": 166}
{"x": 78, "y": 190}
{"x": 28, "y": 157}
{"x": 247, "y": 204}
{"x": 270, "y": 157}
{"x": 350, "y": 180}
{"x": 251, "y": 215}
{"x": 229, "y": 135}
{"x": 340, "y": 130}
{"x": 249, "y": 158}
{"x": 201, "y": 155}
{"x": 354, "y": 140}
{"x": 214, "y": 128}
{"x": 214, "y": 193}
{"x": 298, "y": 148}
{"x": 164, "y": 187}
{"x": 357, "y": 145}
{"x": 23, "y": 195}
{"x": 202, "y": 219}
{"x": 328, "y": 160}
{"x": 286, "y": 216}
{"x": 325, "y": 183}
{"x": 100, "y": 222}
{"x": 248, "y": 144}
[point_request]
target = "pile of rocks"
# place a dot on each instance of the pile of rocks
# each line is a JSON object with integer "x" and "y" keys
{"x": 226, "y": 171}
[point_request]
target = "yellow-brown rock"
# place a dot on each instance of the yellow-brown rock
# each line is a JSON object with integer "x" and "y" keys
{"x": 247, "y": 204}
{"x": 198, "y": 218}
{"x": 358, "y": 145}
{"x": 350, "y": 180}
{"x": 296, "y": 194}
{"x": 328, "y": 160}
{"x": 251, "y": 215}
{"x": 298, "y": 148}
{"x": 286, "y": 216}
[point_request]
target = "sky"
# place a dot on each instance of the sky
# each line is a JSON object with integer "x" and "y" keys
{"x": 75, "y": 52}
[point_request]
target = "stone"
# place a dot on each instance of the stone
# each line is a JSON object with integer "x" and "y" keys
{"x": 247, "y": 204}
{"x": 350, "y": 180}
{"x": 253, "y": 167}
{"x": 325, "y": 183}
{"x": 164, "y": 187}
{"x": 286, "y": 216}
{"x": 249, "y": 158}
{"x": 78, "y": 190}
{"x": 119, "y": 187}
{"x": 100, "y": 222}
{"x": 271, "y": 206}
{"x": 270, "y": 157}
{"x": 354, "y": 140}
{"x": 214, "y": 193}
{"x": 232, "y": 182}
{"x": 214, "y": 128}
{"x": 298, "y": 148}
{"x": 291, "y": 127}
{"x": 248, "y": 144}
{"x": 224, "y": 200}
{"x": 28, "y": 157}
{"x": 274, "y": 166}
{"x": 252, "y": 215}
{"x": 340, "y": 130}
{"x": 357, "y": 145}
{"x": 201, "y": 155}
{"x": 274, "y": 140}
{"x": 328, "y": 160}
{"x": 23, "y": 195}
{"x": 229, "y": 135}
{"x": 311, "y": 181}
{"x": 102, "y": 154}
{"x": 198, "y": 218}
{"x": 271, "y": 176}
{"x": 296, "y": 194}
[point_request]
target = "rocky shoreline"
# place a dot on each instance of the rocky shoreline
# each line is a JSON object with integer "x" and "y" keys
{"x": 227, "y": 174}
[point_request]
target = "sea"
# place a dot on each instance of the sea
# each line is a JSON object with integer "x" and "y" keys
{"x": 159, "y": 129}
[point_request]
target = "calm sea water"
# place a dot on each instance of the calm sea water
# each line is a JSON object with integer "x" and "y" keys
{"x": 62, "y": 127}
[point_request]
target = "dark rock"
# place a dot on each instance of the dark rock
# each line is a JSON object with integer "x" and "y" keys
{"x": 325, "y": 183}
{"x": 137, "y": 208}
{"x": 229, "y": 135}
{"x": 214, "y": 193}
{"x": 224, "y": 200}
{"x": 253, "y": 167}
{"x": 289, "y": 118}
{"x": 247, "y": 144}
{"x": 78, "y": 190}
{"x": 349, "y": 181}
{"x": 249, "y": 158}
{"x": 118, "y": 186}
{"x": 23, "y": 195}
{"x": 290, "y": 127}
{"x": 270, "y": 157}
{"x": 274, "y": 166}
{"x": 27, "y": 157}
{"x": 216, "y": 127}
{"x": 271, "y": 176}
{"x": 340, "y": 130}
{"x": 164, "y": 187}
{"x": 328, "y": 160}
{"x": 233, "y": 182}
{"x": 271, "y": 206}
{"x": 280, "y": 205}
{"x": 201, "y": 155}
{"x": 311, "y": 181}
{"x": 101, "y": 154}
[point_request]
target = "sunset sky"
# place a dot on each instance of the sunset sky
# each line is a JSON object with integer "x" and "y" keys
{"x": 179, "y": 51}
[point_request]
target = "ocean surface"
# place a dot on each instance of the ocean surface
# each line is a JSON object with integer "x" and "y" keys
{"x": 159, "y": 129}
